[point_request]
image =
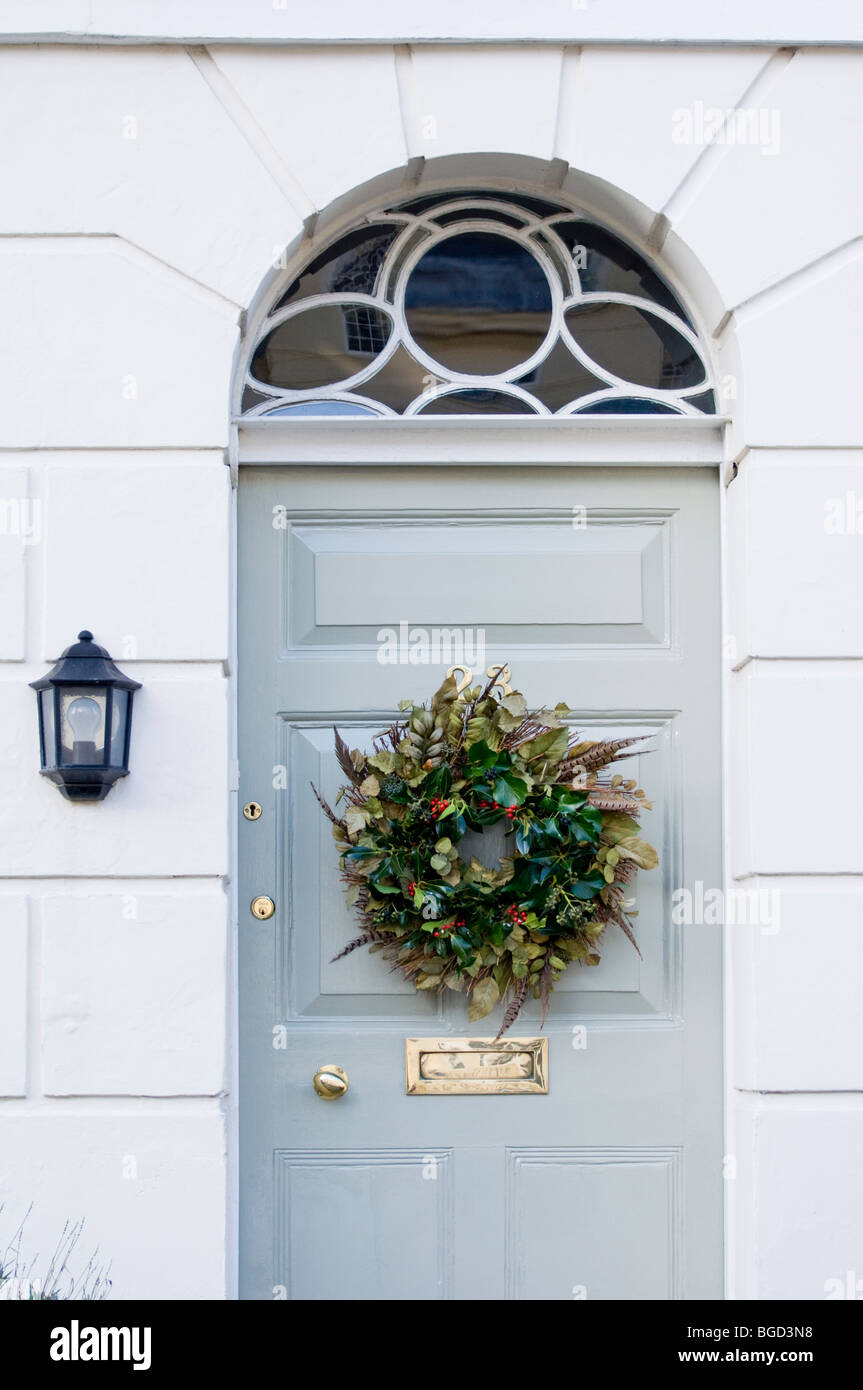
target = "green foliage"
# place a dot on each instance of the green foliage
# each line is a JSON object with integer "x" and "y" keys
{"x": 467, "y": 761}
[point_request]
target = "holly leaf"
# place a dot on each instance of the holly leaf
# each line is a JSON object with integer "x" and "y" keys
{"x": 587, "y": 887}
{"x": 480, "y": 755}
{"x": 482, "y": 998}
{"x": 438, "y": 782}
{"x": 509, "y": 790}
{"x": 462, "y": 948}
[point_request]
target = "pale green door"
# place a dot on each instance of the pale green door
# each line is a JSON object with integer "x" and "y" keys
{"x": 609, "y": 1186}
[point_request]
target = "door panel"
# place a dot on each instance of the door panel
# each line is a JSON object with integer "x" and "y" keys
{"x": 612, "y": 1181}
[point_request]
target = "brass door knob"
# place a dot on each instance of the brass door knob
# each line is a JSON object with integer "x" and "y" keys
{"x": 330, "y": 1082}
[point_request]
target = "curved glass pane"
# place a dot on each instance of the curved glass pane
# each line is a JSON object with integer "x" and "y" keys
{"x": 705, "y": 402}
{"x": 251, "y": 398}
{"x": 321, "y": 346}
{"x": 635, "y": 345}
{"x": 606, "y": 264}
{"x": 400, "y": 380}
{"x": 478, "y": 303}
{"x": 324, "y": 408}
{"x": 349, "y": 266}
{"x": 627, "y": 405}
{"x": 560, "y": 378}
{"x": 475, "y": 402}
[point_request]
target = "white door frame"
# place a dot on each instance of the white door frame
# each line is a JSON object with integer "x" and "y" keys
{"x": 519, "y": 441}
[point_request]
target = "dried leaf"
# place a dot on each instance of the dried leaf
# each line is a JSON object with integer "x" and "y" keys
{"x": 482, "y": 998}
{"x": 356, "y": 820}
{"x": 644, "y": 855}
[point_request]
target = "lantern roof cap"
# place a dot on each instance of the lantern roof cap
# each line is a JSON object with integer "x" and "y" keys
{"x": 85, "y": 663}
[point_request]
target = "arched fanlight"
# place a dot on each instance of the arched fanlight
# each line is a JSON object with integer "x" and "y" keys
{"x": 476, "y": 303}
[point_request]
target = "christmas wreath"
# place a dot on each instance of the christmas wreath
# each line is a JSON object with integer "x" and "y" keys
{"x": 472, "y": 758}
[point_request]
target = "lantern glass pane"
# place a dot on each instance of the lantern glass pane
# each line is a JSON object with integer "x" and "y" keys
{"x": 119, "y": 720}
{"x": 46, "y": 703}
{"x": 82, "y": 725}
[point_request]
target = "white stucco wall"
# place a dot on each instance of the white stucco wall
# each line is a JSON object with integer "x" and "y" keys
{"x": 147, "y": 191}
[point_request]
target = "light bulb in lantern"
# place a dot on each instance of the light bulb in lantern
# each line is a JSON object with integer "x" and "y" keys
{"x": 85, "y": 717}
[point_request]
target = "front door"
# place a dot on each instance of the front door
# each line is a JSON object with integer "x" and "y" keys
{"x": 600, "y": 588}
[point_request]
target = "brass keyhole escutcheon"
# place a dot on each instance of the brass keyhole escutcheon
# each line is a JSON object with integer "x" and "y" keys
{"x": 330, "y": 1082}
{"x": 252, "y": 811}
{"x": 262, "y": 908}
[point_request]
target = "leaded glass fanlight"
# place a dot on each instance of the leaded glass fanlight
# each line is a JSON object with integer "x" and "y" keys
{"x": 477, "y": 304}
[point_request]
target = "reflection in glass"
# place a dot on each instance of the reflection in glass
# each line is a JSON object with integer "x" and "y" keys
{"x": 120, "y": 700}
{"x": 49, "y": 748}
{"x": 627, "y": 405}
{"x": 560, "y": 378}
{"x": 705, "y": 401}
{"x": 478, "y": 303}
{"x": 349, "y": 266}
{"x": 322, "y": 346}
{"x": 635, "y": 345}
{"x": 400, "y": 380}
{"x": 476, "y": 402}
{"x": 606, "y": 264}
{"x": 471, "y": 289}
{"x": 321, "y": 408}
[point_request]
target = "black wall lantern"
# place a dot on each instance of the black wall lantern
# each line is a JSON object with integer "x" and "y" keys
{"x": 85, "y": 721}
